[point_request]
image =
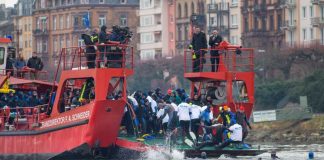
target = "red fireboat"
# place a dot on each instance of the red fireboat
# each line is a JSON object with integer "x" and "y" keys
{"x": 59, "y": 129}
{"x": 231, "y": 85}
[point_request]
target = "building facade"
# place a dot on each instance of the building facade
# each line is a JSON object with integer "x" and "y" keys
{"x": 156, "y": 29}
{"x": 23, "y": 28}
{"x": 6, "y": 20}
{"x": 189, "y": 13}
{"x": 317, "y": 21}
{"x": 225, "y": 17}
{"x": 261, "y": 23}
{"x": 59, "y": 23}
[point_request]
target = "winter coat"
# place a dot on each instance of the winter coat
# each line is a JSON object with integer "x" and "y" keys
{"x": 35, "y": 63}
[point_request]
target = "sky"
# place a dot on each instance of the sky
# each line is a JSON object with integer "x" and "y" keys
{"x": 9, "y": 3}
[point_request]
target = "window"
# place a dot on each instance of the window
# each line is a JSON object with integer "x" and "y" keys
{"x": 256, "y": 25}
{"x": 123, "y": 20}
{"x": 233, "y": 40}
{"x": 42, "y": 4}
{"x": 61, "y": 43}
{"x": 179, "y": 11}
{"x": 61, "y": 22}
{"x": 147, "y": 20}
{"x": 26, "y": 44}
{"x": 234, "y": 20}
{"x": 147, "y": 54}
{"x": 123, "y": 1}
{"x": 179, "y": 34}
{"x": 69, "y": 101}
{"x": 102, "y": 20}
{"x": 234, "y": 2}
{"x": 304, "y": 34}
{"x": 55, "y": 44}
{"x": 311, "y": 33}
{"x": 38, "y": 23}
{"x": 304, "y": 12}
{"x": 171, "y": 36}
{"x": 54, "y": 23}
{"x": 147, "y": 38}
{"x": 67, "y": 41}
{"x": 101, "y": 1}
{"x": 271, "y": 23}
{"x": 145, "y": 4}
{"x": 311, "y": 11}
{"x": 2, "y": 55}
{"x": 67, "y": 21}
{"x": 84, "y": 2}
{"x": 80, "y": 42}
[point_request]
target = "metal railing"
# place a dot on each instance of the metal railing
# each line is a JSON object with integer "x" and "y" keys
{"x": 230, "y": 60}
{"x": 26, "y": 73}
{"x": 21, "y": 118}
{"x": 104, "y": 56}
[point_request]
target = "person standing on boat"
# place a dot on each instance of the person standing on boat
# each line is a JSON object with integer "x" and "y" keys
{"x": 184, "y": 118}
{"x": 35, "y": 64}
{"x": 20, "y": 64}
{"x": 242, "y": 120}
{"x": 90, "y": 41}
{"x": 103, "y": 49}
{"x": 195, "y": 112}
{"x": 198, "y": 43}
{"x": 214, "y": 41}
{"x": 171, "y": 112}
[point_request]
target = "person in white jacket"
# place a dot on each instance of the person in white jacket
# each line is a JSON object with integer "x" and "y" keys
{"x": 184, "y": 118}
{"x": 195, "y": 112}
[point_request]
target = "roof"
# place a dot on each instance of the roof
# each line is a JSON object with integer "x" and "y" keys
{"x": 5, "y": 40}
{"x": 17, "y": 81}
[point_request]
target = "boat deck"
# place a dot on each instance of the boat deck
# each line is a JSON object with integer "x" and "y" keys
{"x": 192, "y": 152}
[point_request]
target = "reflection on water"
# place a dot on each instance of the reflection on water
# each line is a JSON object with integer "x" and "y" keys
{"x": 284, "y": 152}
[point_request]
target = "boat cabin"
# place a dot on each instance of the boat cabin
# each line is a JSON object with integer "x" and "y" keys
{"x": 232, "y": 84}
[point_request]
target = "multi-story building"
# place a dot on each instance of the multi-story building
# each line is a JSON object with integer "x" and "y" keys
{"x": 157, "y": 29}
{"x": 225, "y": 17}
{"x": 23, "y": 28}
{"x": 6, "y": 20}
{"x": 60, "y": 23}
{"x": 261, "y": 23}
{"x": 317, "y": 21}
{"x": 303, "y": 23}
{"x": 189, "y": 13}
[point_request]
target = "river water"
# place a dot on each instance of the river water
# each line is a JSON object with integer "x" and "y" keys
{"x": 284, "y": 152}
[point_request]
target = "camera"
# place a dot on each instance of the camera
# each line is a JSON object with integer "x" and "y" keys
{"x": 121, "y": 34}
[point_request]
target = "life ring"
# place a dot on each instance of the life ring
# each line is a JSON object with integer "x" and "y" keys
{"x": 220, "y": 93}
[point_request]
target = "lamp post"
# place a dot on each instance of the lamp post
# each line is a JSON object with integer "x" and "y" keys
{"x": 262, "y": 53}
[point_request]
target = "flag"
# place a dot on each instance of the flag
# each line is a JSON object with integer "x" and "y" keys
{"x": 86, "y": 20}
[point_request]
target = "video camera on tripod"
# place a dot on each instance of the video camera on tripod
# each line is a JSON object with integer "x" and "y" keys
{"x": 120, "y": 34}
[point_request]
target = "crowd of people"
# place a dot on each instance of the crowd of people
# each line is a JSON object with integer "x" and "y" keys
{"x": 16, "y": 103}
{"x": 176, "y": 115}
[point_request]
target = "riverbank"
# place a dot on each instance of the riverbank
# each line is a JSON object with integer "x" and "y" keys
{"x": 289, "y": 132}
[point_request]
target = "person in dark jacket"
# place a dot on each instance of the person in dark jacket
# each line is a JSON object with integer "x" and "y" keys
{"x": 198, "y": 43}
{"x": 242, "y": 120}
{"x": 102, "y": 40}
{"x": 90, "y": 49}
{"x": 9, "y": 66}
{"x": 214, "y": 41}
{"x": 35, "y": 64}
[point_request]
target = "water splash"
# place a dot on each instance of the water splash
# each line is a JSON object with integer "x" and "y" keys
{"x": 163, "y": 154}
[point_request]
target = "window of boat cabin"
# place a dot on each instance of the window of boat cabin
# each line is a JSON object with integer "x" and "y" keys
{"x": 76, "y": 93}
{"x": 2, "y": 55}
{"x": 115, "y": 89}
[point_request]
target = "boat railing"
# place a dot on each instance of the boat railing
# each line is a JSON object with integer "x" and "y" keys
{"x": 105, "y": 56}
{"x": 231, "y": 59}
{"x": 25, "y": 73}
{"x": 21, "y": 118}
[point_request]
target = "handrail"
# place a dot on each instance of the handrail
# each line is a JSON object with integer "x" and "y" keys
{"x": 231, "y": 59}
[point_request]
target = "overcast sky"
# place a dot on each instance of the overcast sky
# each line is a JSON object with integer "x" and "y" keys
{"x": 9, "y": 3}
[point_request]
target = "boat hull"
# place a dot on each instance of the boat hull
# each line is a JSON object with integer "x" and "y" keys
{"x": 95, "y": 126}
